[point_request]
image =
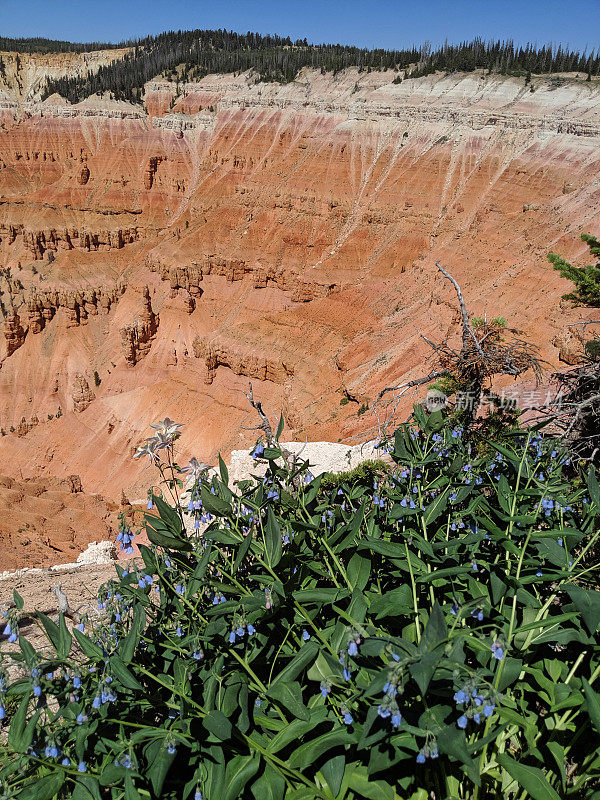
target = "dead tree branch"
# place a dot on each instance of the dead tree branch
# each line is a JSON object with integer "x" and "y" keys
{"x": 467, "y": 331}
{"x": 416, "y": 382}
{"x": 265, "y": 425}
{"x": 484, "y": 353}
{"x": 291, "y": 459}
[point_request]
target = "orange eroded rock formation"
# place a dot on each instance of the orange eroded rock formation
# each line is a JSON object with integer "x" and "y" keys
{"x": 160, "y": 257}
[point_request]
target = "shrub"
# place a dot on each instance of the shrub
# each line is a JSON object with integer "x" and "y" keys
{"x": 592, "y": 349}
{"x": 433, "y": 633}
{"x": 586, "y": 279}
{"x": 367, "y": 472}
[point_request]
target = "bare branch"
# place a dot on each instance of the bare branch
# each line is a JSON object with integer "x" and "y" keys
{"x": 265, "y": 425}
{"x": 417, "y": 382}
{"x": 290, "y": 458}
{"x": 467, "y": 330}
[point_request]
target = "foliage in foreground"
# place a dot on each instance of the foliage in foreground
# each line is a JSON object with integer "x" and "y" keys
{"x": 432, "y": 635}
{"x": 586, "y": 279}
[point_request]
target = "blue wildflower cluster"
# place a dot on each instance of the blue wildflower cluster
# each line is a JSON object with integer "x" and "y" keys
{"x": 11, "y": 628}
{"x": 429, "y": 750}
{"x": 125, "y": 536}
{"x": 240, "y": 629}
{"x": 474, "y": 703}
{"x": 372, "y": 618}
{"x": 3, "y": 688}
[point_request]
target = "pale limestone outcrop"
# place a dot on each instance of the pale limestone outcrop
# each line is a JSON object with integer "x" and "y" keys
{"x": 322, "y": 457}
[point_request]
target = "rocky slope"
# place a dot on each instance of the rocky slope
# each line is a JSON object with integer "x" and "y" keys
{"x": 23, "y": 75}
{"x": 161, "y": 257}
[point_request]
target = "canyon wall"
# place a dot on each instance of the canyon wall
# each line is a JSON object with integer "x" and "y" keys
{"x": 156, "y": 259}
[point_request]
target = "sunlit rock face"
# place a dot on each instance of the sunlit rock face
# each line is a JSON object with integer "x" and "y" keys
{"x": 285, "y": 235}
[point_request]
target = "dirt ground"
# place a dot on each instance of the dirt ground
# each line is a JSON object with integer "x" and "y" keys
{"x": 80, "y": 585}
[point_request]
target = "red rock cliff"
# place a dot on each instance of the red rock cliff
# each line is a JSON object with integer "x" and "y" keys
{"x": 285, "y": 234}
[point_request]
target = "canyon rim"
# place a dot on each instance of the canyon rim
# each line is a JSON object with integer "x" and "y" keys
{"x": 157, "y": 257}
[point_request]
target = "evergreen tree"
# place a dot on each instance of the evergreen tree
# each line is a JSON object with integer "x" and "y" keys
{"x": 586, "y": 279}
{"x": 189, "y": 55}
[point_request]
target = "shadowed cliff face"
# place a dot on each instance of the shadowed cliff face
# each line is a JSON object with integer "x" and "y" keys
{"x": 286, "y": 235}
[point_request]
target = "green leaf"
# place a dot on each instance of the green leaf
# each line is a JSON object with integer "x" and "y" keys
{"x": 280, "y": 427}
{"x": 242, "y": 551}
{"x": 168, "y": 515}
{"x": 160, "y": 761}
{"x": 240, "y": 769}
{"x": 593, "y": 487}
{"x": 320, "y": 595}
{"x": 18, "y": 600}
{"x": 123, "y": 675}
{"x": 305, "y": 793}
{"x": 453, "y": 743}
{"x": 593, "y": 704}
{"x": 504, "y": 494}
{"x": 360, "y": 782}
{"x": 270, "y": 785}
{"x": 271, "y": 453}
{"x": 308, "y": 753}
{"x": 51, "y": 628}
{"x": 436, "y": 630}
{"x": 296, "y": 730}
{"x": 86, "y": 788}
{"x": 158, "y": 535}
{"x": 90, "y": 648}
{"x": 130, "y": 642}
{"x": 217, "y": 723}
{"x": 358, "y": 571}
{"x": 505, "y": 452}
{"x": 65, "y": 640}
{"x": 559, "y": 756}
{"x": 401, "y": 445}
{"x": 272, "y": 539}
{"x": 214, "y": 504}
{"x": 223, "y": 471}
{"x": 529, "y": 778}
{"x": 214, "y": 785}
{"x": 43, "y": 789}
{"x": 389, "y": 549}
{"x": 27, "y": 650}
{"x": 16, "y": 733}
{"x": 131, "y": 793}
{"x": 303, "y": 657}
{"x": 289, "y": 694}
{"x": 200, "y": 571}
{"x": 394, "y": 603}
{"x": 588, "y": 603}
{"x": 510, "y": 673}
{"x": 333, "y": 772}
{"x": 436, "y": 507}
{"x": 244, "y": 718}
{"x": 423, "y": 669}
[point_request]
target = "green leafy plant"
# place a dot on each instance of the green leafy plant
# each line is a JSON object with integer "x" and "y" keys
{"x": 586, "y": 279}
{"x": 367, "y": 472}
{"x": 592, "y": 349}
{"x": 429, "y": 633}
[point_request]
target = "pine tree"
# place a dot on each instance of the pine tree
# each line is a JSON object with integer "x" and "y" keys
{"x": 586, "y": 279}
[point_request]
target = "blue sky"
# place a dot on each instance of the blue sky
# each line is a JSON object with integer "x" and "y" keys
{"x": 369, "y": 23}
